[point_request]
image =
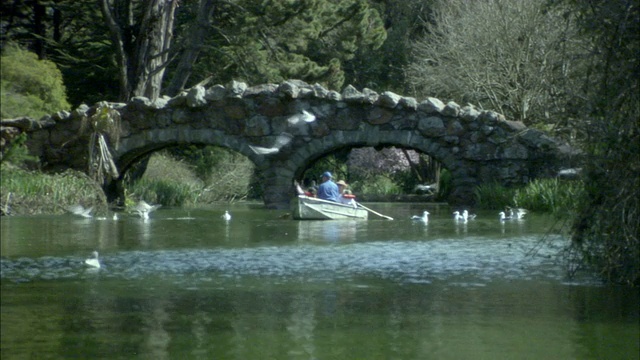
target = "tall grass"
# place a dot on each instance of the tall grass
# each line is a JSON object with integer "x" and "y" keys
{"x": 559, "y": 197}
{"x": 550, "y": 195}
{"x": 31, "y": 192}
{"x": 172, "y": 182}
{"x": 493, "y": 196}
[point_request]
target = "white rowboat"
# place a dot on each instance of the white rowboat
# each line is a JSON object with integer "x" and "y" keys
{"x": 309, "y": 208}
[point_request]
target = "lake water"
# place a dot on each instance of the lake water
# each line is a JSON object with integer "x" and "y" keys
{"x": 186, "y": 284}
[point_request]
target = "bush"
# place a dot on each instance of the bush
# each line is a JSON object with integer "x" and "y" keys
{"x": 30, "y": 87}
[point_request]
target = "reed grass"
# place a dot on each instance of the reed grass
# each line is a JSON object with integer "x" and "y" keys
{"x": 172, "y": 182}
{"x": 493, "y": 196}
{"x": 559, "y": 197}
{"x": 32, "y": 192}
{"x": 550, "y": 195}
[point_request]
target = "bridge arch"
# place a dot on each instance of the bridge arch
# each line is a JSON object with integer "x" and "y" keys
{"x": 281, "y": 128}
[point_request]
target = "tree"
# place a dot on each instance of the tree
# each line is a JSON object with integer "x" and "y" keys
{"x": 606, "y": 229}
{"x": 141, "y": 34}
{"x": 521, "y": 58}
{"x": 383, "y": 68}
{"x": 271, "y": 41}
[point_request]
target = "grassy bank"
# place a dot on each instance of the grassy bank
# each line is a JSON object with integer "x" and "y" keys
{"x": 25, "y": 192}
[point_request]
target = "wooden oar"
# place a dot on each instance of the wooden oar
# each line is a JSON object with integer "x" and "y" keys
{"x": 374, "y": 212}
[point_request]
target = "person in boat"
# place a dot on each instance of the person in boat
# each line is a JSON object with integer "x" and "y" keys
{"x": 346, "y": 197}
{"x": 328, "y": 190}
{"x": 310, "y": 192}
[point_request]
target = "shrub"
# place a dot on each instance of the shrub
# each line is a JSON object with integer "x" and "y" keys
{"x": 30, "y": 87}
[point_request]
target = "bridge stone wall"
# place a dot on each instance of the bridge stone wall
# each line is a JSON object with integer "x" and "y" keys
{"x": 282, "y": 128}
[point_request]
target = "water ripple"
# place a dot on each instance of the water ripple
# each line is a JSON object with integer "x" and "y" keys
{"x": 405, "y": 261}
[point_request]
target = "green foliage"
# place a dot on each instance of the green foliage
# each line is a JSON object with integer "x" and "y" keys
{"x": 165, "y": 192}
{"x": 17, "y": 153}
{"x": 559, "y": 197}
{"x": 554, "y": 196}
{"x": 493, "y": 196}
{"x": 445, "y": 185}
{"x": 27, "y": 192}
{"x": 172, "y": 182}
{"x": 30, "y": 87}
{"x": 377, "y": 185}
{"x": 271, "y": 41}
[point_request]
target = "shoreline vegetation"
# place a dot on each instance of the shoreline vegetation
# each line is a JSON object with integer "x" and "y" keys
{"x": 171, "y": 182}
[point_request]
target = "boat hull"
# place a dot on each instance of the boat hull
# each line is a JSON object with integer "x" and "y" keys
{"x": 308, "y": 208}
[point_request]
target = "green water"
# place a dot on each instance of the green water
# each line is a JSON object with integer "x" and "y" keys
{"x": 186, "y": 284}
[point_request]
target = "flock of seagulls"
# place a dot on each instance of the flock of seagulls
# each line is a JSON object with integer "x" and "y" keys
{"x": 465, "y": 216}
{"x": 143, "y": 209}
{"x": 513, "y": 214}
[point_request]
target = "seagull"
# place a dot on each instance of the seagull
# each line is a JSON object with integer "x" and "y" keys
{"x": 304, "y": 117}
{"x": 424, "y": 218}
{"x": 280, "y": 141}
{"x": 466, "y": 216}
{"x": 457, "y": 216}
{"x": 81, "y": 211}
{"x": 517, "y": 213}
{"x": 93, "y": 261}
{"x": 143, "y": 209}
{"x": 226, "y": 216}
{"x": 503, "y": 216}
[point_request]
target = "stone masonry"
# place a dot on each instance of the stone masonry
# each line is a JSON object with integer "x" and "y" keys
{"x": 282, "y": 128}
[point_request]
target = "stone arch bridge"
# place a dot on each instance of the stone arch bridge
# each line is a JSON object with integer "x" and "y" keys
{"x": 283, "y": 128}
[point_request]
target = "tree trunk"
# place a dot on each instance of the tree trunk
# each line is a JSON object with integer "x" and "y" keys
{"x": 142, "y": 49}
{"x": 153, "y": 43}
{"x": 194, "y": 44}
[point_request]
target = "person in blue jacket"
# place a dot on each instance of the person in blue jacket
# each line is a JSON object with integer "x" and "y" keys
{"x": 328, "y": 190}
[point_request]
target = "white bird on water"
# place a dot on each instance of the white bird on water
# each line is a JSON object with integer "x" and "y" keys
{"x": 81, "y": 211}
{"x": 517, "y": 213}
{"x": 424, "y": 218}
{"x": 466, "y": 216}
{"x": 226, "y": 216}
{"x": 93, "y": 261}
{"x": 503, "y": 216}
{"x": 143, "y": 209}
{"x": 457, "y": 216}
